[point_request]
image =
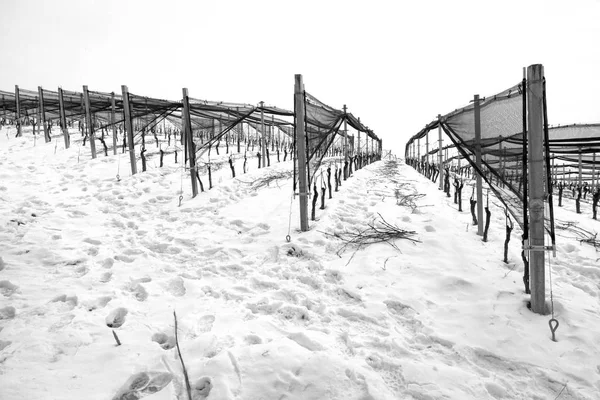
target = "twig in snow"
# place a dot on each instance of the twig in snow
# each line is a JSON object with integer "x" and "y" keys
{"x": 385, "y": 262}
{"x": 188, "y": 387}
{"x": 116, "y": 337}
{"x": 379, "y": 231}
{"x": 266, "y": 180}
{"x": 561, "y": 390}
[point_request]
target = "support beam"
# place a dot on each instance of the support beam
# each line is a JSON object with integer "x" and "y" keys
{"x": 502, "y": 162}
{"x": 535, "y": 75}
{"x": 240, "y": 135}
{"x": 82, "y": 118}
{"x": 18, "y": 104}
{"x": 301, "y": 148}
{"x": 42, "y": 112}
{"x": 358, "y": 150}
{"x": 367, "y": 148}
{"x": 440, "y": 154}
{"x": 346, "y": 164}
{"x": 187, "y": 131}
{"x": 129, "y": 129}
{"x": 272, "y": 128}
{"x": 263, "y": 142}
{"x": 63, "y": 118}
{"x": 579, "y": 176}
{"x": 427, "y": 147}
{"x": 113, "y": 122}
{"x": 478, "y": 180}
{"x": 90, "y": 122}
{"x": 593, "y": 171}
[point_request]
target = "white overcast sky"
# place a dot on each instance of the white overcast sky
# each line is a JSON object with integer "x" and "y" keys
{"x": 395, "y": 64}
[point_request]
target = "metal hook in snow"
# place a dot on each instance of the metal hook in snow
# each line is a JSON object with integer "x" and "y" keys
{"x": 553, "y": 328}
{"x": 288, "y": 238}
{"x": 180, "y": 199}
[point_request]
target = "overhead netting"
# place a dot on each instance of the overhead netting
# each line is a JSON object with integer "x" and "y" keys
{"x": 503, "y": 144}
{"x": 322, "y": 128}
{"x": 575, "y": 153}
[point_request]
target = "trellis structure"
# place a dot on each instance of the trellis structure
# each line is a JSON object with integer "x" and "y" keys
{"x": 512, "y": 125}
{"x": 317, "y": 127}
{"x": 126, "y": 119}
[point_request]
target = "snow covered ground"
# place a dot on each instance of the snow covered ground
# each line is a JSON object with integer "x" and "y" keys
{"x": 261, "y": 318}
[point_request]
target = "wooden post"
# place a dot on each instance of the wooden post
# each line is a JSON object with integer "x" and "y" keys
{"x": 63, "y": 118}
{"x": 367, "y": 148}
{"x": 263, "y": 142}
{"x": 346, "y": 165}
{"x": 427, "y": 147}
{"x": 42, "y": 112}
{"x": 446, "y": 156}
{"x": 358, "y": 151}
{"x": 301, "y": 149}
{"x": 239, "y": 135}
{"x": 272, "y": 130}
{"x": 190, "y": 141}
{"x": 593, "y": 171}
{"x": 552, "y": 170}
{"x": 88, "y": 117}
{"x": 129, "y": 128}
{"x": 580, "y": 179}
{"x": 440, "y": 157}
{"x": 113, "y": 122}
{"x": 535, "y": 75}
{"x": 478, "y": 179}
{"x": 82, "y": 119}
{"x": 501, "y": 161}
{"x": 18, "y": 104}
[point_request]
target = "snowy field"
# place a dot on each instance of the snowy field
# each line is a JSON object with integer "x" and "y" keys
{"x": 259, "y": 318}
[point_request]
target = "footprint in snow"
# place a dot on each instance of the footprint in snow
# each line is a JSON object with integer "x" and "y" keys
{"x": 167, "y": 342}
{"x": 252, "y": 340}
{"x": 176, "y": 287}
{"x": 116, "y": 318}
{"x": 143, "y": 384}
{"x": 100, "y": 302}
{"x": 81, "y": 271}
{"x": 205, "y": 323}
{"x": 92, "y": 241}
{"x": 70, "y": 301}
{"x": 7, "y": 288}
{"x": 209, "y": 291}
{"x": 429, "y": 228}
{"x": 139, "y": 292}
{"x": 105, "y": 277}
{"x": 390, "y": 372}
{"x": 124, "y": 258}
{"x": 7, "y": 312}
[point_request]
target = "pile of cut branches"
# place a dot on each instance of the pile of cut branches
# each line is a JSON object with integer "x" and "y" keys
{"x": 376, "y": 231}
{"x": 582, "y": 235}
{"x": 592, "y": 240}
{"x": 407, "y": 200}
{"x": 266, "y": 180}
